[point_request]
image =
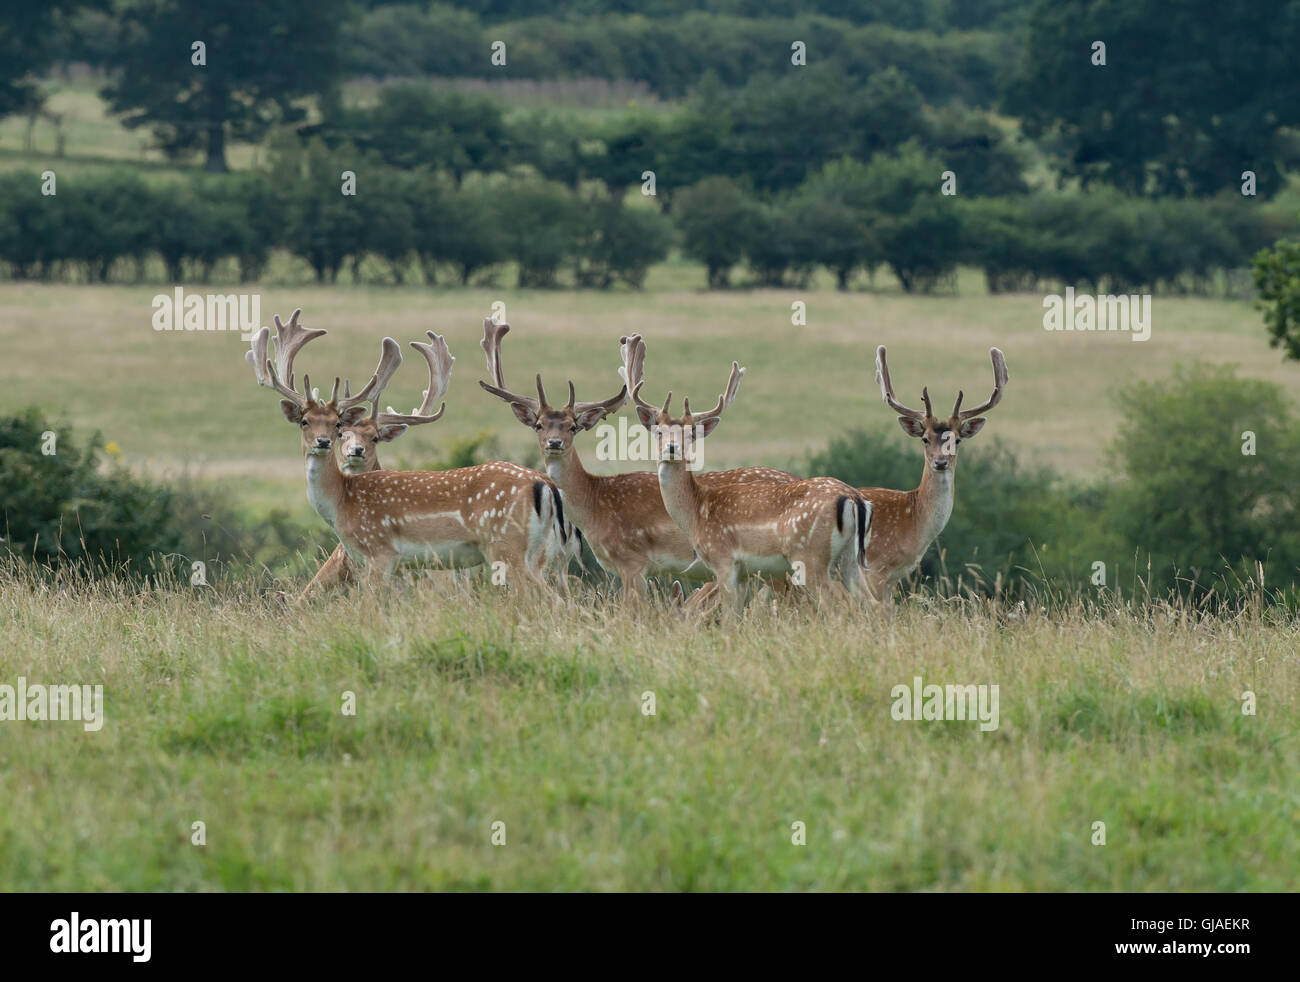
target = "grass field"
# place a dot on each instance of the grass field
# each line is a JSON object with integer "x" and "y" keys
{"x": 188, "y": 401}
{"x": 225, "y": 706}
{"x": 226, "y": 709}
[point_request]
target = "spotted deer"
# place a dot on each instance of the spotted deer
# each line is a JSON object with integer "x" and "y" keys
{"x": 818, "y": 527}
{"x": 487, "y": 514}
{"x": 622, "y": 515}
{"x": 907, "y": 522}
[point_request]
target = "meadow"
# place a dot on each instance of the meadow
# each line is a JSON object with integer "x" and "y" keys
{"x": 226, "y": 708}
{"x": 186, "y": 402}
{"x": 225, "y": 703}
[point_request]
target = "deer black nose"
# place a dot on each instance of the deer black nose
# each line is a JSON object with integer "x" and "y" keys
{"x": 554, "y": 444}
{"x": 356, "y": 451}
{"x": 322, "y": 443}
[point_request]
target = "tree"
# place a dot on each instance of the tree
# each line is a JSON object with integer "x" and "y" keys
{"x": 1194, "y": 499}
{"x": 28, "y": 44}
{"x": 1190, "y": 95}
{"x": 259, "y": 59}
{"x": 919, "y": 228}
{"x": 1277, "y": 277}
{"x": 413, "y": 125}
{"x": 715, "y": 218}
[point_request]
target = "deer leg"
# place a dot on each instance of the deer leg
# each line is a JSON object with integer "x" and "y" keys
{"x": 337, "y": 570}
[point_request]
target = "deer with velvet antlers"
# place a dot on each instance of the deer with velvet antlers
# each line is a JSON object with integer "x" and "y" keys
{"x": 491, "y": 513}
{"x": 622, "y": 516}
{"x": 819, "y": 526}
{"x": 907, "y": 522}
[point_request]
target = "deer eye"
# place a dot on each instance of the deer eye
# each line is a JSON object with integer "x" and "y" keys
{"x": 573, "y": 428}
{"x": 925, "y": 439}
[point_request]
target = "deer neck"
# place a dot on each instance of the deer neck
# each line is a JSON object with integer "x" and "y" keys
{"x": 579, "y": 487}
{"x": 934, "y": 502}
{"x": 681, "y": 495}
{"x": 325, "y": 487}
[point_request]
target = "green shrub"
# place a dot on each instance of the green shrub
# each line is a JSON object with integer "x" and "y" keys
{"x": 619, "y": 242}
{"x": 1192, "y": 500}
{"x": 715, "y": 219}
{"x": 68, "y": 506}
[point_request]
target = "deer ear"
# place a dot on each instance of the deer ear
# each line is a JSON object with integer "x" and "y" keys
{"x": 350, "y": 416}
{"x": 912, "y": 427}
{"x": 391, "y": 432}
{"x": 590, "y": 418}
{"x": 646, "y": 416}
{"x": 709, "y": 425}
{"x": 292, "y": 411}
{"x": 968, "y": 428}
{"x": 524, "y": 414}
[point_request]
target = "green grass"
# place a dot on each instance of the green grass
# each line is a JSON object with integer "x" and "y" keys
{"x": 187, "y": 401}
{"x": 226, "y": 708}
{"x": 223, "y": 705}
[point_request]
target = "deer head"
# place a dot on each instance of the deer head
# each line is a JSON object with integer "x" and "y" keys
{"x": 360, "y": 432}
{"x": 319, "y": 420}
{"x": 676, "y": 437}
{"x": 941, "y": 436}
{"x": 556, "y": 426}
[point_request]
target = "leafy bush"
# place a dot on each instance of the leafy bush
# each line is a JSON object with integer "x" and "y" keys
{"x": 1277, "y": 277}
{"x": 80, "y": 507}
{"x": 541, "y": 226}
{"x": 619, "y": 243}
{"x": 1193, "y": 500}
{"x": 715, "y": 218}
{"x": 68, "y": 507}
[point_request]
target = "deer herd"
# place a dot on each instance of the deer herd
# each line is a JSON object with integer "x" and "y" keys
{"x": 817, "y": 537}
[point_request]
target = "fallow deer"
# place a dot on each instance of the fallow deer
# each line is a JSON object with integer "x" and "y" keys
{"x": 490, "y": 513}
{"x": 818, "y": 526}
{"x": 621, "y": 515}
{"x": 907, "y": 522}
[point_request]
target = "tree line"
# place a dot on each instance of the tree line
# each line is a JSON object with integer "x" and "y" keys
{"x": 849, "y": 218}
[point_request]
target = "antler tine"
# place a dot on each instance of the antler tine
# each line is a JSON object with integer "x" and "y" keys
{"x": 440, "y": 361}
{"x": 493, "y": 332}
{"x": 256, "y": 355}
{"x": 289, "y": 340}
{"x": 925, "y": 398}
{"x": 297, "y": 398}
{"x": 1000, "y": 377}
{"x": 636, "y": 396}
{"x": 390, "y": 359}
{"x": 887, "y": 387}
{"x": 725, "y": 398}
{"x": 632, "y": 350}
{"x": 541, "y": 394}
